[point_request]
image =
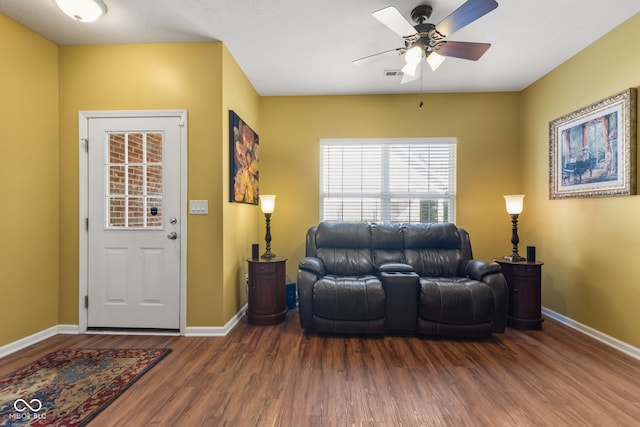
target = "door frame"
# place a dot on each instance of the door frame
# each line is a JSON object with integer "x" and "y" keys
{"x": 83, "y": 120}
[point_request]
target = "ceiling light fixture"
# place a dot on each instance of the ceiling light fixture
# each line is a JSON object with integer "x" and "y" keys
{"x": 435, "y": 60}
{"x": 410, "y": 69}
{"x": 413, "y": 55}
{"x": 83, "y": 10}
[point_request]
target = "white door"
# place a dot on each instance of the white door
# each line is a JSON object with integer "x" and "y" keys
{"x": 134, "y": 217}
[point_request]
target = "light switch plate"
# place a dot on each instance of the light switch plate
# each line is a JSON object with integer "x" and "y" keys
{"x": 198, "y": 207}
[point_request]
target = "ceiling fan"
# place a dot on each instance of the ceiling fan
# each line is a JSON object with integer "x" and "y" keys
{"x": 425, "y": 40}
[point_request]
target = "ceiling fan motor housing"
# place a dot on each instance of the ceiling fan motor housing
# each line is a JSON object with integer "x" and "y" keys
{"x": 427, "y": 38}
{"x": 421, "y": 13}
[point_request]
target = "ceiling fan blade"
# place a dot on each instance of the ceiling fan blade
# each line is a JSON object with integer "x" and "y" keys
{"x": 377, "y": 56}
{"x": 463, "y": 50}
{"x": 464, "y": 15}
{"x": 393, "y": 19}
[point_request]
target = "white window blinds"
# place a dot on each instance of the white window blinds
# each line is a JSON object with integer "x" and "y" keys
{"x": 382, "y": 180}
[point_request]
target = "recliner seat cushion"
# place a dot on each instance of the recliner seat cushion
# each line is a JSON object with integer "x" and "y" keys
{"x": 349, "y": 298}
{"x": 455, "y": 300}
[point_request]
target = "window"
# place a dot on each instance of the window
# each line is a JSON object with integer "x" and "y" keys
{"x": 134, "y": 180}
{"x": 388, "y": 180}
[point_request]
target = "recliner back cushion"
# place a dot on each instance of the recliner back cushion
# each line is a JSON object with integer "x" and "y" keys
{"x": 387, "y": 243}
{"x": 345, "y": 248}
{"x": 432, "y": 249}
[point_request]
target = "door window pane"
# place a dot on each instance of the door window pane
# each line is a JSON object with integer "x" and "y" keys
{"x": 154, "y": 180}
{"x": 116, "y": 212}
{"x": 117, "y": 180}
{"x": 135, "y": 179}
{"x": 154, "y": 148}
{"x": 135, "y": 212}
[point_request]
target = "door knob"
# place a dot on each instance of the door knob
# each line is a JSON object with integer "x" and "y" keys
{"x": 172, "y": 236}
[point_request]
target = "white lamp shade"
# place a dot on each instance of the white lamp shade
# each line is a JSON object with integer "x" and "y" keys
{"x": 267, "y": 203}
{"x": 413, "y": 55}
{"x": 514, "y": 203}
{"x": 410, "y": 69}
{"x": 435, "y": 60}
{"x": 83, "y": 10}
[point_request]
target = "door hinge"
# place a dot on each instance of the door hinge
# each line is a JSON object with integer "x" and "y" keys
{"x": 85, "y": 142}
{"x": 86, "y": 301}
{"x": 86, "y": 224}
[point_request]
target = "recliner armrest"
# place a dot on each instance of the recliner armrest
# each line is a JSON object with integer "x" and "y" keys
{"x": 314, "y": 265}
{"x": 395, "y": 267}
{"x": 476, "y": 269}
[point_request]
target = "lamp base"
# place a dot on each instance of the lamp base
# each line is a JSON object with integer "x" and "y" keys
{"x": 268, "y": 255}
{"x": 514, "y": 258}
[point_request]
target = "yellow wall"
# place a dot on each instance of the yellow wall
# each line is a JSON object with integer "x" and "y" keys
{"x": 240, "y": 220}
{"x": 28, "y": 182}
{"x": 589, "y": 245}
{"x": 139, "y": 77}
{"x": 486, "y": 126}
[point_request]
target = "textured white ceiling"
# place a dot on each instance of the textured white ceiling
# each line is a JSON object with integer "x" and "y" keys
{"x": 302, "y": 47}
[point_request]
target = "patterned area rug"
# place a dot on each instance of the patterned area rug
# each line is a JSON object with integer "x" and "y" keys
{"x": 70, "y": 387}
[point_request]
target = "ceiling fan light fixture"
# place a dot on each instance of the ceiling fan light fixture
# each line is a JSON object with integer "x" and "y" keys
{"x": 435, "y": 60}
{"x": 410, "y": 69}
{"x": 413, "y": 55}
{"x": 83, "y": 10}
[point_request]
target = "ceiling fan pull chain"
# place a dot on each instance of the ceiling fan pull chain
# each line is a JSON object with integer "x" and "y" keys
{"x": 421, "y": 104}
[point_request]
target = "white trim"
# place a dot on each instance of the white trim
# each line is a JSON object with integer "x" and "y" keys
{"x": 83, "y": 119}
{"x": 206, "y": 331}
{"x": 130, "y": 332}
{"x": 389, "y": 141}
{"x": 216, "y": 331}
{"x": 25, "y": 342}
{"x": 193, "y": 331}
{"x": 602, "y": 337}
{"x": 69, "y": 329}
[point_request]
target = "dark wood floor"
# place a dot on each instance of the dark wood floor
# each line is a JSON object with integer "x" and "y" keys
{"x": 280, "y": 376}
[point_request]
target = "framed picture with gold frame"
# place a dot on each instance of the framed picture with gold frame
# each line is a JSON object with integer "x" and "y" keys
{"x": 592, "y": 151}
{"x": 244, "y": 156}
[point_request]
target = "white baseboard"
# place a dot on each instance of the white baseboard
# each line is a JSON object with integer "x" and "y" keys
{"x": 215, "y": 331}
{"x": 604, "y": 338}
{"x": 69, "y": 329}
{"x": 133, "y": 332}
{"x": 25, "y": 342}
{"x": 195, "y": 331}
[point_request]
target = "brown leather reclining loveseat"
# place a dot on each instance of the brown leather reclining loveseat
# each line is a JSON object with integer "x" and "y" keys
{"x": 361, "y": 278}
